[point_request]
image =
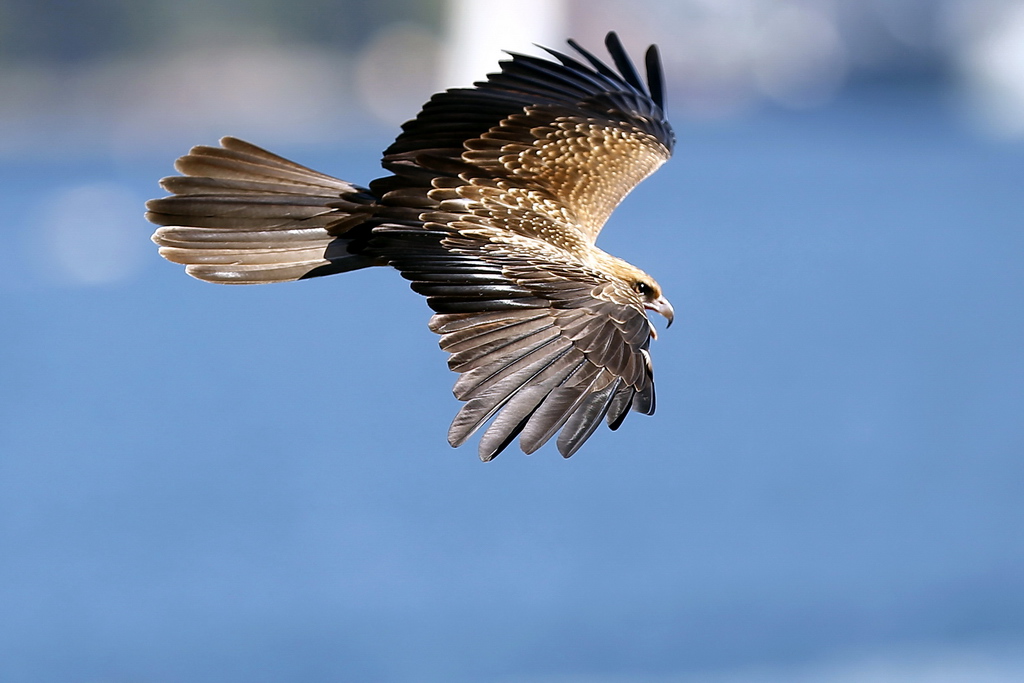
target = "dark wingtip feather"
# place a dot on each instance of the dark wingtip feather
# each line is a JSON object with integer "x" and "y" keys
{"x": 622, "y": 61}
{"x": 644, "y": 401}
{"x": 619, "y": 407}
{"x": 598, "y": 65}
{"x": 489, "y": 451}
{"x": 587, "y": 418}
{"x": 655, "y": 76}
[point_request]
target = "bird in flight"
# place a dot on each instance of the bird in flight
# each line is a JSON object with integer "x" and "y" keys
{"x": 493, "y": 201}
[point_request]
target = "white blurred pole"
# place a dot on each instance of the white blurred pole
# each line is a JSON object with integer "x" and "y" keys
{"x": 479, "y": 30}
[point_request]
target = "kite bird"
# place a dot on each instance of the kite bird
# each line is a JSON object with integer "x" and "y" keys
{"x": 495, "y": 198}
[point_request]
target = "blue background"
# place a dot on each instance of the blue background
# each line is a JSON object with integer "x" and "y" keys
{"x": 203, "y": 483}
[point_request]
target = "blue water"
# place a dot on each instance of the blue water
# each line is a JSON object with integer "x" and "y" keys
{"x": 203, "y": 483}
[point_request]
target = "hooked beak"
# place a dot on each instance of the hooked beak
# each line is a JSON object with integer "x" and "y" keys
{"x": 662, "y": 306}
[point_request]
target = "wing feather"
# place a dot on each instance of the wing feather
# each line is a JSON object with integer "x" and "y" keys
{"x": 655, "y": 76}
{"x": 621, "y": 402}
{"x": 491, "y": 347}
{"x": 543, "y": 148}
{"x": 567, "y": 358}
{"x": 510, "y": 421}
{"x": 596, "y": 63}
{"x": 481, "y": 379}
{"x": 622, "y": 61}
{"x": 586, "y": 419}
{"x": 542, "y": 375}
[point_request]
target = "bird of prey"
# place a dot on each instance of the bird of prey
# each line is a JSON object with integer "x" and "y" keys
{"x": 493, "y": 201}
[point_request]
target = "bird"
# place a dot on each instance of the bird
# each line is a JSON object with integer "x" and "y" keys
{"x": 491, "y": 207}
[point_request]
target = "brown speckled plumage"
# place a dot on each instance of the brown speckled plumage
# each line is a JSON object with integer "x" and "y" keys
{"x": 495, "y": 198}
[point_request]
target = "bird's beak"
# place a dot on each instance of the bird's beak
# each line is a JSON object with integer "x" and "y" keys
{"x": 662, "y": 306}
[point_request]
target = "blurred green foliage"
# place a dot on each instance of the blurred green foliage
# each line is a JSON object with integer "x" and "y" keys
{"x": 69, "y": 31}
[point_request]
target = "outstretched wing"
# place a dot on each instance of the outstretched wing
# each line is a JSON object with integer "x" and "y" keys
{"x": 497, "y": 197}
{"x": 544, "y": 148}
{"x": 543, "y": 344}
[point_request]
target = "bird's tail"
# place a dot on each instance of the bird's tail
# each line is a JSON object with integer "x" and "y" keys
{"x": 239, "y": 214}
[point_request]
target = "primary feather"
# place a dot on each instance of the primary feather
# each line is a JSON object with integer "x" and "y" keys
{"x": 494, "y": 200}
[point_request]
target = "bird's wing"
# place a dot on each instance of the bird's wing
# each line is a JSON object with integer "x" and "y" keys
{"x": 543, "y": 343}
{"x": 497, "y": 195}
{"x": 544, "y": 148}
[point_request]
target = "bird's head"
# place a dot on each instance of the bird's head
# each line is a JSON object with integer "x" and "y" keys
{"x": 642, "y": 284}
{"x": 653, "y": 299}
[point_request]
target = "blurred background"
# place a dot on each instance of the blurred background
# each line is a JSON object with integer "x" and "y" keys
{"x": 215, "y": 484}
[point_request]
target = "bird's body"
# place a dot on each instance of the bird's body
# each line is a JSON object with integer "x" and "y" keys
{"x": 496, "y": 196}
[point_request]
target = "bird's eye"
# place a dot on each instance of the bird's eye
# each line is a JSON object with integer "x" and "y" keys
{"x": 643, "y": 289}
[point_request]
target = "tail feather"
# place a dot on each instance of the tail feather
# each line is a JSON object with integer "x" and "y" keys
{"x": 242, "y": 160}
{"x": 243, "y": 215}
